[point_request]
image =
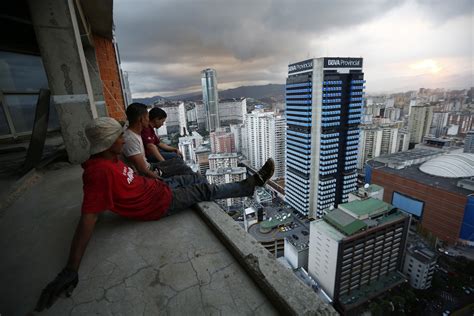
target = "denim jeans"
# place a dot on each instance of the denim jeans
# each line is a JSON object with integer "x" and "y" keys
{"x": 188, "y": 190}
{"x": 167, "y": 155}
{"x": 172, "y": 167}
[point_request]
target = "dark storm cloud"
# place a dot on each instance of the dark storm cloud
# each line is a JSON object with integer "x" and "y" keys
{"x": 165, "y": 44}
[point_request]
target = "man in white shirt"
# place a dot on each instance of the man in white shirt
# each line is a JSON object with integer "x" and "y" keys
{"x": 134, "y": 151}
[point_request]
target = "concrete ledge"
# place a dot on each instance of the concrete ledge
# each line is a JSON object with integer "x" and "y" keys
{"x": 288, "y": 294}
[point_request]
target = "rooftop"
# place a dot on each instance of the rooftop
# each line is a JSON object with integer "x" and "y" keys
{"x": 350, "y": 218}
{"x": 344, "y": 222}
{"x": 363, "y": 209}
{"x": 223, "y": 155}
{"x": 450, "y": 166}
{"x": 422, "y": 254}
{"x": 414, "y": 173}
{"x": 195, "y": 262}
{"x": 409, "y": 157}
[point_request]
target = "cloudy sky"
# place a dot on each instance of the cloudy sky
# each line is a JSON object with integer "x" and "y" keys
{"x": 406, "y": 44}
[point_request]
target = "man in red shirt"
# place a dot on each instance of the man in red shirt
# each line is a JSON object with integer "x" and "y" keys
{"x": 155, "y": 149}
{"x": 109, "y": 184}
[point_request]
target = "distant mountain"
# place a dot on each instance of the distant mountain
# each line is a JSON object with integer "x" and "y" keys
{"x": 265, "y": 92}
{"x": 150, "y": 100}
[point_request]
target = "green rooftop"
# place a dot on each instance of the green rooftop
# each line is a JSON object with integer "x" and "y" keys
{"x": 345, "y": 223}
{"x": 363, "y": 209}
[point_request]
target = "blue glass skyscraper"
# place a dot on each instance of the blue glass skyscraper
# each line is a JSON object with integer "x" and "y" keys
{"x": 324, "y": 98}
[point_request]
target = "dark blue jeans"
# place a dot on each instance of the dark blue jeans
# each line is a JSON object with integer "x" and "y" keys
{"x": 172, "y": 167}
{"x": 166, "y": 154}
{"x": 191, "y": 189}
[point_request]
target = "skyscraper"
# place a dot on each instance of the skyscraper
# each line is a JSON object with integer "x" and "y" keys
{"x": 210, "y": 98}
{"x": 265, "y": 139}
{"x": 323, "y": 109}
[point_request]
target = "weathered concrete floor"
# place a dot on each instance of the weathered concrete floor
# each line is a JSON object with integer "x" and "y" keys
{"x": 175, "y": 266}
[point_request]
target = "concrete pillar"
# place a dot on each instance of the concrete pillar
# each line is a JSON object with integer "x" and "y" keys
{"x": 59, "y": 41}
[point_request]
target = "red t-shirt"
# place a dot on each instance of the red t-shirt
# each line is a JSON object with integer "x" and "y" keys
{"x": 112, "y": 185}
{"x": 149, "y": 137}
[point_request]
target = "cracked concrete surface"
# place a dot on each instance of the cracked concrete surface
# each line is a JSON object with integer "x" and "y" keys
{"x": 175, "y": 266}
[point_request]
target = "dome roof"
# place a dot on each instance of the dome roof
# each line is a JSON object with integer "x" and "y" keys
{"x": 450, "y": 166}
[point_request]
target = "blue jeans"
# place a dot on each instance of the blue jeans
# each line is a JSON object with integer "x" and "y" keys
{"x": 167, "y": 155}
{"x": 188, "y": 190}
{"x": 172, "y": 167}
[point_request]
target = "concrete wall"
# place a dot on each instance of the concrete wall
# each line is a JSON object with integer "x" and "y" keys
{"x": 109, "y": 73}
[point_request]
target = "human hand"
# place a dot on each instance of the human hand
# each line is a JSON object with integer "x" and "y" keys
{"x": 65, "y": 282}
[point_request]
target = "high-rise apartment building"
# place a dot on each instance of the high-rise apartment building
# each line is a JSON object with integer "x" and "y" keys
{"x": 222, "y": 141}
{"x": 439, "y": 123}
{"x": 217, "y": 161}
{"x": 469, "y": 142}
{"x": 403, "y": 140}
{"x": 185, "y": 146}
{"x": 236, "y": 130}
{"x": 188, "y": 144}
{"x": 265, "y": 139}
{"x": 210, "y": 98}
{"x": 370, "y": 144}
{"x": 356, "y": 251}
{"x": 389, "y": 140}
{"x": 232, "y": 111}
{"x": 228, "y": 175}
{"x": 182, "y": 118}
{"x": 419, "y": 123}
{"x": 324, "y": 99}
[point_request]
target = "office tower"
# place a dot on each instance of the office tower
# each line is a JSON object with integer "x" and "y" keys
{"x": 222, "y": 141}
{"x": 217, "y": 161}
{"x": 265, "y": 139}
{"x": 210, "y": 98}
{"x": 356, "y": 251}
{"x": 419, "y": 123}
{"x": 324, "y": 98}
{"x": 370, "y": 144}
{"x": 469, "y": 142}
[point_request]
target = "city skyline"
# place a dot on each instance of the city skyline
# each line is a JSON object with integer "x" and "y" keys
{"x": 405, "y": 44}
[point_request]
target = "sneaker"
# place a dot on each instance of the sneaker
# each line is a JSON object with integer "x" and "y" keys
{"x": 265, "y": 173}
